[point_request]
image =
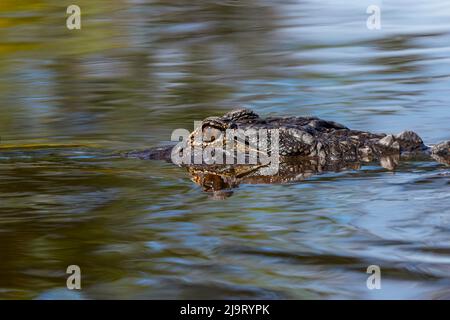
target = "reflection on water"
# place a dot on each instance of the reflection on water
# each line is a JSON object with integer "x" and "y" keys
{"x": 141, "y": 229}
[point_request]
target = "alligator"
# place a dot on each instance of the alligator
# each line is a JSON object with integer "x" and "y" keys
{"x": 306, "y": 145}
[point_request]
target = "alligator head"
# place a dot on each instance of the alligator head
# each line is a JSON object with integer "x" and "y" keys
{"x": 240, "y": 147}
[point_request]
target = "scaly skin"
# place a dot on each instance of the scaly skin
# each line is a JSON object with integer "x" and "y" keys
{"x": 307, "y": 145}
{"x": 314, "y": 138}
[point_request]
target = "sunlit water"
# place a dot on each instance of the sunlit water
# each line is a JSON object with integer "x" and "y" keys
{"x": 137, "y": 70}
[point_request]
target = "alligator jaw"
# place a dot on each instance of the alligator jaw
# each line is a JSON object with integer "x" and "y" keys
{"x": 155, "y": 153}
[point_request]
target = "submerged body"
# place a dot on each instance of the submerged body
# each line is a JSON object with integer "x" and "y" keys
{"x": 305, "y": 145}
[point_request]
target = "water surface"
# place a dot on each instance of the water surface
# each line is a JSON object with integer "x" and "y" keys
{"x": 137, "y": 70}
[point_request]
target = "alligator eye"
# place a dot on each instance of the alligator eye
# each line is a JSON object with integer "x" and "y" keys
{"x": 210, "y": 134}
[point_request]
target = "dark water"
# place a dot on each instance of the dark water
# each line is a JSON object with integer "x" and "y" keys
{"x": 139, "y": 229}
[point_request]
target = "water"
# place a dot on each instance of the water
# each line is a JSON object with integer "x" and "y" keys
{"x": 141, "y": 229}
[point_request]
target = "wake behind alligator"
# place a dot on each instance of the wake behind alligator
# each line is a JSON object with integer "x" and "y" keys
{"x": 306, "y": 146}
